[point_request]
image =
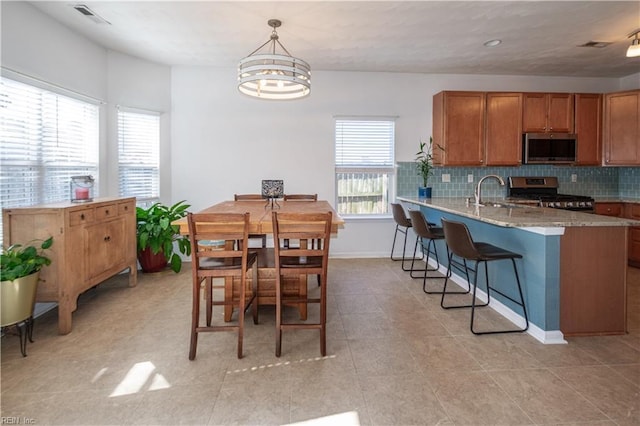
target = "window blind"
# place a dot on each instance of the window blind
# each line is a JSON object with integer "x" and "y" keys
{"x": 45, "y": 139}
{"x": 364, "y": 159}
{"x": 139, "y": 154}
{"x": 365, "y": 143}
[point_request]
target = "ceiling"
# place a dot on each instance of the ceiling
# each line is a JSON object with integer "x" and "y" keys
{"x": 538, "y": 38}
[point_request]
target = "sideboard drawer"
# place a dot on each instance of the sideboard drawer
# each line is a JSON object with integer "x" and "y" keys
{"x": 106, "y": 212}
{"x": 125, "y": 208}
{"x": 81, "y": 217}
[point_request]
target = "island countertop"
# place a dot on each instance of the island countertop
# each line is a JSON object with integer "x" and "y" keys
{"x": 519, "y": 215}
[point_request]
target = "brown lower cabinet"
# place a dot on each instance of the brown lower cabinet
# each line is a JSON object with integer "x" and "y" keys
{"x": 629, "y": 211}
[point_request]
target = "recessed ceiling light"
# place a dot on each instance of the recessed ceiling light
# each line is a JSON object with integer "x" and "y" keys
{"x": 492, "y": 43}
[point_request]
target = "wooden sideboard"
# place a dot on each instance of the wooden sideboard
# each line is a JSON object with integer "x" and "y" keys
{"x": 91, "y": 242}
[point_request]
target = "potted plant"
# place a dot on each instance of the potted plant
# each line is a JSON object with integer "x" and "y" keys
{"x": 424, "y": 163}
{"x": 156, "y": 236}
{"x": 19, "y": 274}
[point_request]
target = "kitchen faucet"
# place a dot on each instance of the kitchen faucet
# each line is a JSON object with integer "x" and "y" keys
{"x": 476, "y": 193}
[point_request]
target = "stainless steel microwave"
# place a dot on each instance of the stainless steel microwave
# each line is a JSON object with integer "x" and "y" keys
{"x": 549, "y": 148}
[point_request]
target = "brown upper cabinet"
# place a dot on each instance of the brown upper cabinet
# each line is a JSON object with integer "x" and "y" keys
{"x": 621, "y": 132}
{"x": 547, "y": 113}
{"x": 458, "y": 127}
{"x": 503, "y": 138}
{"x": 588, "y": 116}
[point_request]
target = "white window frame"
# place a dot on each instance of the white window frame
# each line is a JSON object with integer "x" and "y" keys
{"x": 375, "y": 164}
{"x": 139, "y": 154}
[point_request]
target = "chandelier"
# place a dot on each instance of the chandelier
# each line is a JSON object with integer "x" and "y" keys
{"x": 271, "y": 75}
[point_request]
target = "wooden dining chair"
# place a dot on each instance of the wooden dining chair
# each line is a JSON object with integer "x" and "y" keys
{"x": 253, "y": 197}
{"x": 301, "y": 260}
{"x": 226, "y": 262}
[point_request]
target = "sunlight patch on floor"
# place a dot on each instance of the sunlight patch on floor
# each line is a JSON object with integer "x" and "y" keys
{"x": 349, "y": 418}
{"x": 280, "y": 364}
{"x": 136, "y": 378}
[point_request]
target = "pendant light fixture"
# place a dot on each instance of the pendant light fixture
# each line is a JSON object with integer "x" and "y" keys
{"x": 272, "y": 75}
{"x": 634, "y": 49}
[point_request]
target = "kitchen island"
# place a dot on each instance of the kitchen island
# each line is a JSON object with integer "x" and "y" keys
{"x": 573, "y": 269}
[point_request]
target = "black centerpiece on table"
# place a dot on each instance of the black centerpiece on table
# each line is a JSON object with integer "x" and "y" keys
{"x": 272, "y": 189}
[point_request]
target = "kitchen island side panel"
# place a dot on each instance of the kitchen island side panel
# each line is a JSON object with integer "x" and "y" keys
{"x": 539, "y": 269}
{"x": 593, "y": 281}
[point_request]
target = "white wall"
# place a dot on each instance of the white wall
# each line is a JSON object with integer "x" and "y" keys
{"x": 226, "y": 143}
{"x": 143, "y": 85}
{"x": 630, "y": 82}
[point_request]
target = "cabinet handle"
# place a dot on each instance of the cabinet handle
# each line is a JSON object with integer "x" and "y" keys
{"x": 107, "y": 238}
{"x": 106, "y": 212}
{"x": 82, "y": 216}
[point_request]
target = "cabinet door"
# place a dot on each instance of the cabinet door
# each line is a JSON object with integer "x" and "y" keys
{"x": 560, "y": 113}
{"x": 621, "y": 128}
{"x": 610, "y": 209}
{"x": 588, "y": 113}
{"x": 461, "y": 128}
{"x": 503, "y": 141}
{"x": 105, "y": 242}
{"x": 547, "y": 113}
{"x": 534, "y": 113}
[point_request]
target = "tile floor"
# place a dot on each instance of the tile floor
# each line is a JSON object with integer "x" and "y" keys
{"x": 394, "y": 358}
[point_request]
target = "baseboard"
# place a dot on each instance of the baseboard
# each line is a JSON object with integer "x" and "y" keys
{"x": 548, "y": 337}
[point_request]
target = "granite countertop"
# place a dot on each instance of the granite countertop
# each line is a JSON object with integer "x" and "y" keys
{"x": 518, "y": 215}
{"x": 617, "y": 200}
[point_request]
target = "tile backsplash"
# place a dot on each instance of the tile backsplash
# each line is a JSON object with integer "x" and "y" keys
{"x": 598, "y": 182}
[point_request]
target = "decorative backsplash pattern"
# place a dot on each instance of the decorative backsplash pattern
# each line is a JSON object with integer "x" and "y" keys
{"x": 598, "y": 182}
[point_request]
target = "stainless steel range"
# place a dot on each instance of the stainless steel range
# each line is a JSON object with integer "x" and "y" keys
{"x": 543, "y": 191}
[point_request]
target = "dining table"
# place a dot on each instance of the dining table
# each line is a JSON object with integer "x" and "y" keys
{"x": 260, "y": 222}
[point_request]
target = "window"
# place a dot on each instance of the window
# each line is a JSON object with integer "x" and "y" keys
{"x": 45, "y": 138}
{"x": 139, "y": 155}
{"x": 364, "y": 165}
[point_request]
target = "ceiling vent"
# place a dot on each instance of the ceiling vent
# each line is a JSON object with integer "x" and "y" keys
{"x": 598, "y": 44}
{"x": 84, "y": 9}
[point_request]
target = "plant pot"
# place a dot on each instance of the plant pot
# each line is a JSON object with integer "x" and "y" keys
{"x": 18, "y": 297}
{"x": 424, "y": 192}
{"x": 150, "y": 262}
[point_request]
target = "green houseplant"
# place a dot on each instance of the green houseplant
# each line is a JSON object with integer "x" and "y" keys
{"x": 19, "y": 274}
{"x": 156, "y": 236}
{"x": 19, "y": 261}
{"x": 424, "y": 163}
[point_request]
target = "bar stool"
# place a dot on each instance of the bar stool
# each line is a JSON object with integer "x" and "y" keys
{"x": 461, "y": 244}
{"x": 403, "y": 223}
{"x": 427, "y": 232}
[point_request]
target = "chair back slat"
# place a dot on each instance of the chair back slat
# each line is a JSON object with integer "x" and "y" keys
{"x": 206, "y": 227}
{"x": 247, "y": 197}
{"x": 300, "y": 197}
{"x": 306, "y": 227}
